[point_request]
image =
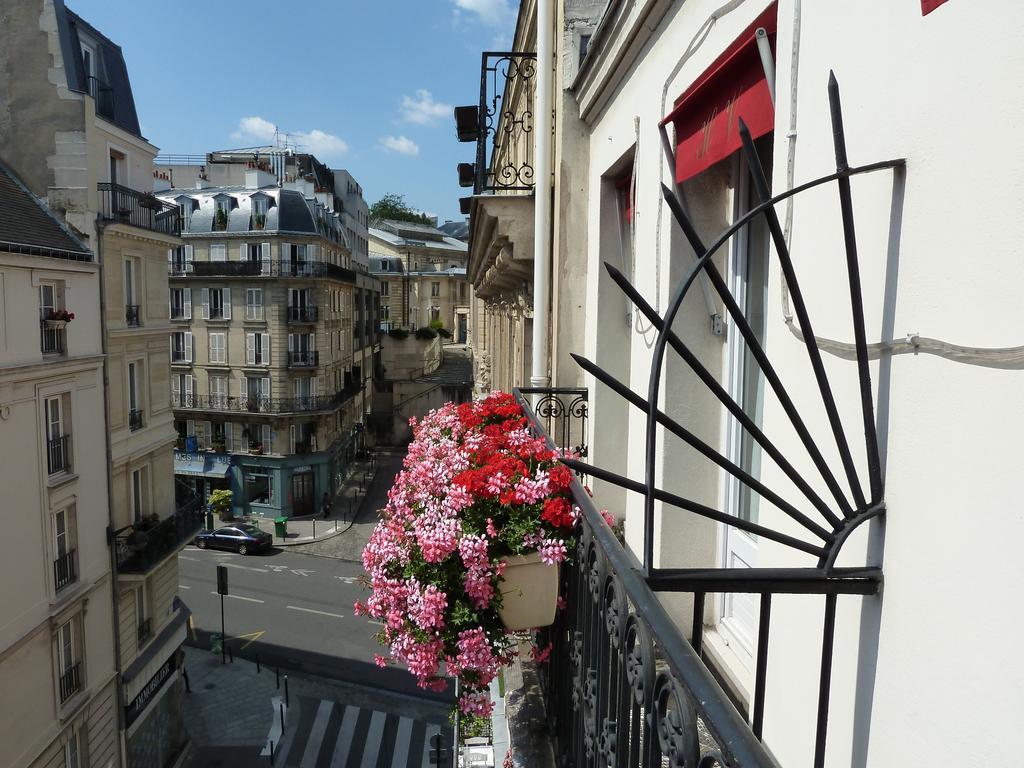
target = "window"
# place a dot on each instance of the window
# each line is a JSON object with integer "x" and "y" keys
{"x": 139, "y": 493}
{"x": 385, "y": 266}
{"x": 385, "y": 289}
{"x": 181, "y": 347}
{"x": 218, "y": 391}
{"x": 89, "y": 64}
{"x": 253, "y": 303}
{"x": 118, "y": 166}
{"x": 435, "y": 314}
{"x": 179, "y": 260}
{"x": 219, "y": 348}
{"x": 181, "y": 303}
{"x": 63, "y": 550}
{"x": 222, "y": 210}
{"x": 69, "y": 682}
{"x": 50, "y": 301}
{"x": 181, "y": 390}
{"x": 258, "y": 486}
{"x": 216, "y": 303}
{"x": 256, "y": 391}
{"x": 257, "y": 349}
{"x": 185, "y": 207}
{"x": 57, "y": 442}
{"x": 71, "y": 759}
{"x": 260, "y": 205}
{"x": 219, "y": 434}
{"x": 145, "y": 626}
{"x": 131, "y": 292}
{"x": 134, "y": 396}
{"x": 218, "y": 252}
{"x": 584, "y": 45}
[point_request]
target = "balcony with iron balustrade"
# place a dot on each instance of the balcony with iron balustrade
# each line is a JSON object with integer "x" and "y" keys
{"x": 302, "y": 315}
{"x": 267, "y": 268}
{"x": 70, "y": 681}
{"x": 304, "y": 359}
{"x": 261, "y": 404}
{"x": 119, "y": 204}
{"x": 143, "y": 545}
{"x": 64, "y": 571}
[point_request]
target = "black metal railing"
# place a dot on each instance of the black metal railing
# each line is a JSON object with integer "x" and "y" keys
{"x": 131, "y": 315}
{"x": 58, "y": 454}
{"x": 178, "y": 355}
{"x": 564, "y": 414}
{"x": 145, "y": 631}
{"x": 64, "y": 570}
{"x": 304, "y": 359}
{"x": 304, "y": 314}
{"x": 101, "y": 91}
{"x": 124, "y": 205}
{"x": 70, "y": 682}
{"x": 178, "y": 312}
{"x": 51, "y": 339}
{"x": 134, "y": 419}
{"x": 143, "y": 545}
{"x": 260, "y": 404}
{"x": 263, "y": 268}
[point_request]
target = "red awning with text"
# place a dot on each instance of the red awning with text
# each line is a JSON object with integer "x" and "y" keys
{"x": 706, "y": 116}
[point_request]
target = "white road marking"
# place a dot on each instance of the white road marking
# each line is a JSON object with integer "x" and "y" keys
{"x": 239, "y": 597}
{"x": 245, "y": 567}
{"x": 184, "y": 586}
{"x": 302, "y": 571}
{"x": 313, "y": 610}
{"x": 379, "y": 623}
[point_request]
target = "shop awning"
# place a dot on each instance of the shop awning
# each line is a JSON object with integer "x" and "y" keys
{"x": 201, "y": 465}
{"x": 706, "y": 117}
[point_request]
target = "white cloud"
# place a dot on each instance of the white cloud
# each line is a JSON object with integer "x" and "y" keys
{"x": 494, "y": 13}
{"x": 423, "y": 108}
{"x": 399, "y": 144}
{"x": 326, "y": 146}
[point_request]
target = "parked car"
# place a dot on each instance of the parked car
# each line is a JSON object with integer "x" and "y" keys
{"x": 243, "y": 538}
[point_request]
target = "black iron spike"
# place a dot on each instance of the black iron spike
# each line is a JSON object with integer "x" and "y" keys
{"x": 723, "y": 396}
{"x": 703, "y": 448}
{"x": 762, "y": 359}
{"x": 695, "y": 507}
{"x": 856, "y": 295}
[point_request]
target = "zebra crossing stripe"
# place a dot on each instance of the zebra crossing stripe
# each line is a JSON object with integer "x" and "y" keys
{"x": 373, "y": 738}
{"x": 316, "y": 734}
{"x": 401, "y": 757}
{"x": 345, "y": 733}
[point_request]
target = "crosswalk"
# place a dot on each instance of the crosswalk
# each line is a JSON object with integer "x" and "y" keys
{"x": 330, "y": 734}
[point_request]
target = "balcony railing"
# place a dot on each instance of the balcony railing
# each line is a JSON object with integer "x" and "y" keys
{"x": 134, "y": 420}
{"x": 51, "y": 339}
{"x": 64, "y": 570}
{"x": 70, "y": 682}
{"x": 306, "y": 314}
{"x": 124, "y": 205}
{"x": 304, "y": 359}
{"x": 178, "y": 313}
{"x": 143, "y": 545}
{"x": 263, "y": 268}
{"x": 145, "y": 631}
{"x": 131, "y": 315}
{"x": 260, "y": 404}
{"x": 58, "y": 454}
{"x": 178, "y": 355}
{"x": 104, "y": 96}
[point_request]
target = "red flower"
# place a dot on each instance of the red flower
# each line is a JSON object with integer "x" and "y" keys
{"x": 559, "y": 477}
{"x": 558, "y": 512}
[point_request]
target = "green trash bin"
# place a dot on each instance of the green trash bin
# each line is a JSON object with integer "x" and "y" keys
{"x": 281, "y": 527}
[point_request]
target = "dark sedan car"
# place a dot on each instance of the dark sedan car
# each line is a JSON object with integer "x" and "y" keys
{"x": 242, "y": 538}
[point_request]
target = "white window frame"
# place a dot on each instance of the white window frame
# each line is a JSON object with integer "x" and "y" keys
{"x": 219, "y": 348}
{"x": 185, "y": 303}
{"x": 257, "y": 349}
{"x": 135, "y": 375}
{"x": 219, "y": 391}
{"x": 254, "y": 309}
{"x": 186, "y": 337}
{"x": 138, "y": 492}
{"x": 218, "y": 252}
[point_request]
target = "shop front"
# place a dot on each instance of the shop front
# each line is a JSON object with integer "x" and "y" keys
{"x": 155, "y": 735}
{"x": 291, "y": 486}
{"x": 203, "y": 472}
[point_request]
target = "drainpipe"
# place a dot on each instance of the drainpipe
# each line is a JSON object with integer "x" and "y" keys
{"x": 542, "y": 196}
{"x": 114, "y": 589}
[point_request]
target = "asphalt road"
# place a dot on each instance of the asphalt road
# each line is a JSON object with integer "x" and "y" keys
{"x": 292, "y": 610}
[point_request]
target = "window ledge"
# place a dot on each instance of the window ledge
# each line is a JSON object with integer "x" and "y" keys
{"x": 62, "y": 478}
{"x": 731, "y": 665}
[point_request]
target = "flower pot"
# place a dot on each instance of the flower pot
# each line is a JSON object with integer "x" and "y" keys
{"x": 56, "y": 324}
{"x": 529, "y": 592}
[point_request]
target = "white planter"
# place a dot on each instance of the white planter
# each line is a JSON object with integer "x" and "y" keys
{"x": 529, "y": 591}
{"x": 56, "y": 324}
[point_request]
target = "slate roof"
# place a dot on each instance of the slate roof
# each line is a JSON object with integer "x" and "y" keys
{"x": 457, "y": 229}
{"x": 27, "y": 226}
{"x": 444, "y": 244}
{"x": 289, "y": 210}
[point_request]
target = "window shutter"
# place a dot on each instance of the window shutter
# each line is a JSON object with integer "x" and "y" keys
{"x": 291, "y": 431}
{"x": 187, "y": 293}
{"x": 242, "y": 247}
{"x": 265, "y": 386}
{"x": 311, "y": 251}
{"x": 170, "y": 302}
{"x": 189, "y": 252}
{"x": 226, "y": 293}
{"x": 250, "y": 348}
{"x": 314, "y": 386}
{"x": 229, "y": 429}
{"x": 188, "y": 346}
{"x": 291, "y": 342}
{"x": 205, "y": 294}
{"x": 190, "y": 427}
{"x": 175, "y": 389}
{"x": 268, "y": 438}
{"x": 266, "y": 348}
{"x": 188, "y": 387}
{"x": 207, "y": 433}
{"x": 265, "y": 258}
{"x": 170, "y": 260}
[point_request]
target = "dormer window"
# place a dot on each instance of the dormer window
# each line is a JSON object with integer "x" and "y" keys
{"x": 222, "y": 209}
{"x": 260, "y": 205}
{"x": 186, "y": 205}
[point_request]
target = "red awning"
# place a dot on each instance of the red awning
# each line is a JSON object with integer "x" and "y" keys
{"x": 706, "y": 116}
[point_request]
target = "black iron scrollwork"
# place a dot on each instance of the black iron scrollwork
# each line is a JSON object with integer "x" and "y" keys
{"x": 505, "y": 136}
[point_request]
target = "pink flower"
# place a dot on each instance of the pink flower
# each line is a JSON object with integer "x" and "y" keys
{"x": 380, "y": 661}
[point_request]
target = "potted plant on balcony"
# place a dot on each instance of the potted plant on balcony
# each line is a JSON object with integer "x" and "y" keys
{"x": 58, "y": 318}
{"x": 256, "y": 448}
{"x": 259, "y": 220}
{"x": 468, "y": 546}
{"x": 220, "y": 220}
{"x": 218, "y": 446}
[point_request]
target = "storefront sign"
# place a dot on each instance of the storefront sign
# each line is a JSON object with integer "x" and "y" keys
{"x": 306, "y": 468}
{"x": 134, "y": 709}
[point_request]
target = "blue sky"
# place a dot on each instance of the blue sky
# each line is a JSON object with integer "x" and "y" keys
{"x": 366, "y": 85}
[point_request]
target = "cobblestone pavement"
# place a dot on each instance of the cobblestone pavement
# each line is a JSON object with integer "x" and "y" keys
{"x": 349, "y": 545}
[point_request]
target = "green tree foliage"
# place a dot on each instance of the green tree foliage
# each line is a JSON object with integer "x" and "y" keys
{"x": 393, "y": 206}
{"x": 220, "y": 504}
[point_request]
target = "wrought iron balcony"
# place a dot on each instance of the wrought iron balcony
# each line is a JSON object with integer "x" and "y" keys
{"x": 145, "y": 631}
{"x": 51, "y": 339}
{"x": 143, "y": 545}
{"x": 178, "y": 355}
{"x": 178, "y": 312}
{"x": 304, "y": 359}
{"x": 304, "y": 314}
{"x": 58, "y": 454}
{"x": 124, "y": 205}
{"x": 261, "y": 268}
{"x": 70, "y": 681}
{"x": 134, "y": 420}
{"x": 64, "y": 570}
{"x": 260, "y": 404}
{"x": 131, "y": 315}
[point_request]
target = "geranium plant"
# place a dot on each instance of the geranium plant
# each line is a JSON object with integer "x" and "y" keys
{"x": 477, "y": 488}
{"x": 60, "y": 315}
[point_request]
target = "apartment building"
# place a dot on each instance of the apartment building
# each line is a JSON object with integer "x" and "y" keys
{"x": 264, "y": 383}
{"x": 57, "y": 660}
{"x": 422, "y": 272}
{"x": 83, "y": 151}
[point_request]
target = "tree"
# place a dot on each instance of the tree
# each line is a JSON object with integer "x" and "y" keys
{"x": 393, "y": 206}
{"x": 220, "y": 504}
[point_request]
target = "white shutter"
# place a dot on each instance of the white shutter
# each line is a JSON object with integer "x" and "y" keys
{"x": 208, "y": 433}
{"x": 311, "y": 251}
{"x": 229, "y": 430}
{"x": 205, "y": 293}
{"x": 175, "y": 390}
{"x": 268, "y": 438}
{"x": 226, "y": 293}
{"x": 170, "y": 302}
{"x": 265, "y": 386}
{"x": 188, "y": 346}
{"x": 291, "y": 437}
{"x": 265, "y": 258}
{"x": 266, "y": 348}
{"x": 250, "y": 349}
{"x": 242, "y": 251}
{"x": 188, "y": 388}
{"x": 170, "y": 260}
{"x": 291, "y": 343}
{"x": 314, "y": 386}
{"x": 187, "y": 293}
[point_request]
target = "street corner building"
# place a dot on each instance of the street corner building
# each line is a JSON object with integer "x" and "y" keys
{"x": 275, "y": 326}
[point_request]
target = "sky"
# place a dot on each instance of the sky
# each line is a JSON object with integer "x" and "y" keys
{"x": 366, "y": 85}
